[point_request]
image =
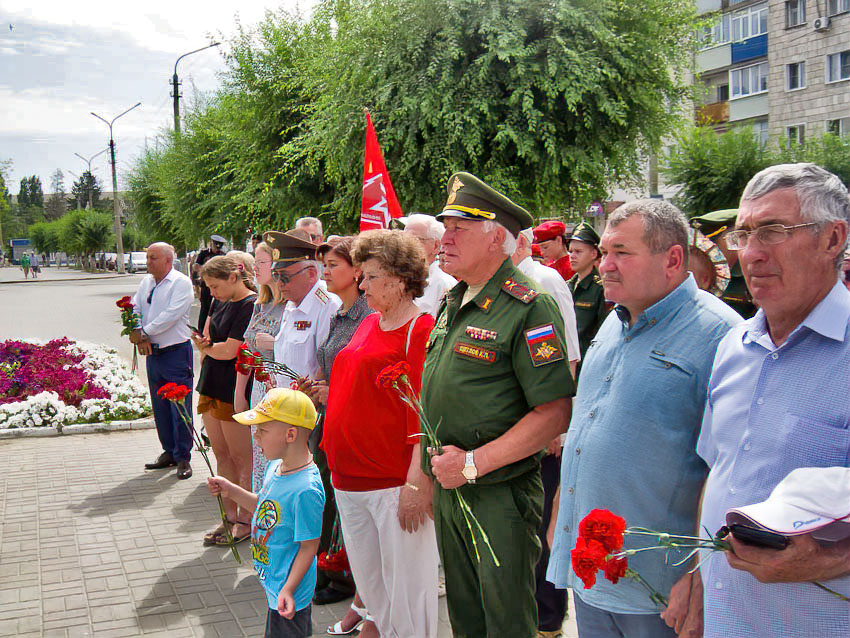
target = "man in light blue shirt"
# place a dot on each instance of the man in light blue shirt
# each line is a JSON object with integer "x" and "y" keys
{"x": 779, "y": 399}
{"x": 631, "y": 443}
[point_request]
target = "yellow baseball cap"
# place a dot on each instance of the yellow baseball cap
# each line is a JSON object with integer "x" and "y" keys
{"x": 281, "y": 404}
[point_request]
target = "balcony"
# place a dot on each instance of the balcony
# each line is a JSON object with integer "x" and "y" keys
{"x": 749, "y": 49}
{"x": 714, "y": 113}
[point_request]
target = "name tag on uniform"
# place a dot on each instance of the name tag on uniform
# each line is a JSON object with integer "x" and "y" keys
{"x": 583, "y": 304}
{"x": 543, "y": 345}
{"x": 302, "y": 325}
{"x": 475, "y": 352}
{"x": 480, "y": 334}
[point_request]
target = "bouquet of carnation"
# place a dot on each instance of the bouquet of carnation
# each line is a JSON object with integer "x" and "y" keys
{"x": 397, "y": 377}
{"x": 263, "y": 367}
{"x": 336, "y": 558}
{"x": 600, "y": 546}
{"x": 131, "y": 320}
{"x": 176, "y": 394}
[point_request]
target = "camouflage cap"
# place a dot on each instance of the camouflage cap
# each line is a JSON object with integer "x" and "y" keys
{"x": 470, "y": 198}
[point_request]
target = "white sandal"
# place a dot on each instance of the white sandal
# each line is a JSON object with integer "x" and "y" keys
{"x": 337, "y": 629}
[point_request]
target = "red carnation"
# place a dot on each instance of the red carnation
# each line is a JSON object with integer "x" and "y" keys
{"x": 615, "y": 568}
{"x": 261, "y": 375}
{"x": 587, "y": 558}
{"x": 389, "y": 376}
{"x": 244, "y": 355}
{"x": 179, "y": 392}
{"x": 604, "y": 527}
{"x": 124, "y": 302}
{"x": 243, "y": 368}
{"x": 164, "y": 391}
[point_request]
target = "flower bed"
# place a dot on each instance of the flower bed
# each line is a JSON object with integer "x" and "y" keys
{"x": 63, "y": 382}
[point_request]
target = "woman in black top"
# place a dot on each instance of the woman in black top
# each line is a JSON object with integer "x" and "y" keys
{"x": 233, "y": 291}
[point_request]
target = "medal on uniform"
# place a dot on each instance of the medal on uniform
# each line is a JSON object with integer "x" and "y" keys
{"x": 302, "y": 325}
{"x": 480, "y": 334}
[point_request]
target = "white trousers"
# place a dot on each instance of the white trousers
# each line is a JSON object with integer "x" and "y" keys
{"x": 395, "y": 571}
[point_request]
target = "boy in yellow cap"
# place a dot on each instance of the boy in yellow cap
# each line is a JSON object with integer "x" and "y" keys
{"x": 287, "y": 521}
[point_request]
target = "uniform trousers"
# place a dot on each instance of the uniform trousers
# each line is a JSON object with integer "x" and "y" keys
{"x": 485, "y": 601}
{"x": 172, "y": 365}
{"x": 395, "y": 571}
{"x": 551, "y": 602}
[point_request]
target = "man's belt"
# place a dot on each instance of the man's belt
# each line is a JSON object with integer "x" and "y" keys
{"x": 157, "y": 350}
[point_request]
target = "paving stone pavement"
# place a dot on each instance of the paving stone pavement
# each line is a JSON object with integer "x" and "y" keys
{"x": 91, "y": 544}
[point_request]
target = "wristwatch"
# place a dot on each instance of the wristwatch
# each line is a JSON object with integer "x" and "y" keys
{"x": 469, "y": 471}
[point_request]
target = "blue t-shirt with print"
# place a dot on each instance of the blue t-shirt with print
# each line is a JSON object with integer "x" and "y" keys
{"x": 289, "y": 511}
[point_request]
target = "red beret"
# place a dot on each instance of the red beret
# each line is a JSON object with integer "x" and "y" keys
{"x": 549, "y": 230}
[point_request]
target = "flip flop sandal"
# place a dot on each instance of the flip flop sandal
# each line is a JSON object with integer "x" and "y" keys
{"x": 217, "y": 535}
{"x": 222, "y": 539}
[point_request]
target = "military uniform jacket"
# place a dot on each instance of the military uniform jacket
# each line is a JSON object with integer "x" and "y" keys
{"x": 489, "y": 362}
{"x": 590, "y": 306}
{"x": 737, "y": 295}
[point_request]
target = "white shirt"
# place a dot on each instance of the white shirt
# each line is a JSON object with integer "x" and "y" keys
{"x": 166, "y": 318}
{"x": 552, "y": 282}
{"x": 436, "y": 286}
{"x": 303, "y": 329}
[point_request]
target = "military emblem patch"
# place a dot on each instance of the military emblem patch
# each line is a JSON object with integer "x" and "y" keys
{"x": 302, "y": 325}
{"x": 475, "y": 352}
{"x": 480, "y": 334}
{"x": 456, "y": 186}
{"x": 543, "y": 345}
{"x": 516, "y": 289}
{"x": 276, "y": 254}
{"x": 484, "y": 304}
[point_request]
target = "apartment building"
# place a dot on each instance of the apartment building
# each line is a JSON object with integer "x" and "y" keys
{"x": 779, "y": 66}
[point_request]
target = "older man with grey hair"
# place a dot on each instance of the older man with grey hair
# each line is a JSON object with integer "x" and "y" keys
{"x": 777, "y": 401}
{"x": 163, "y": 301}
{"x": 429, "y": 231}
{"x": 313, "y": 227}
{"x": 631, "y": 445}
{"x": 496, "y": 382}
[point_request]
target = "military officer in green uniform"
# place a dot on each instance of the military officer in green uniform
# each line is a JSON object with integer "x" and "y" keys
{"x": 497, "y": 386}
{"x": 714, "y": 226}
{"x": 585, "y": 285}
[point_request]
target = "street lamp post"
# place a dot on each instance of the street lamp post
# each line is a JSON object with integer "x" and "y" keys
{"x": 119, "y": 240}
{"x": 175, "y": 83}
{"x": 89, "y": 161}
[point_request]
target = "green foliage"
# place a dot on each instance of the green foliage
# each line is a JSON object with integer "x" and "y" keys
{"x": 31, "y": 193}
{"x": 56, "y": 203}
{"x": 554, "y": 101}
{"x": 45, "y": 236}
{"x": 87, "y": 184}
{"x": 712, "y": 169}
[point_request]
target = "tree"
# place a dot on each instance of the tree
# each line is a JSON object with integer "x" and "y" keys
{"x": 86, "y": 191}
{"x": 30, "y": 205}
{"x": 57, "y": 203}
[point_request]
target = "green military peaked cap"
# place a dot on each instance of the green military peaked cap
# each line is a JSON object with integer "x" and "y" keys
{"x": 584, "y": 233}
{"x": 715, "y": 222}
{"x": 289, "y": 247}
{"x": 470, "y": 198}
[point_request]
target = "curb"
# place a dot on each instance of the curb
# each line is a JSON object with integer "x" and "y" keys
{"x": 48, "y": 281}
{"x": 145, "y": 423}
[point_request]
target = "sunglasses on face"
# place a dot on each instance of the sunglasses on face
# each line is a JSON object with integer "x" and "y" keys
{"x": 284, "y": 278}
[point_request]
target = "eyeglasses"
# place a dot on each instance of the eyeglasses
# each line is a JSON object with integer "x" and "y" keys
{"x": 770, "y": 234}
{"x": 280, "y": 277}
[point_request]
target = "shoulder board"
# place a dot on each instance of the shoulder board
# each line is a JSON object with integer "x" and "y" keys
{"x": 322, "y": 295}
{"x": 518, "y": 290}
{"x": 597, "y": 279}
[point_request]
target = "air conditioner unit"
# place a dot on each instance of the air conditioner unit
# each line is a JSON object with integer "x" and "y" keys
{"x": 821, "y": 24}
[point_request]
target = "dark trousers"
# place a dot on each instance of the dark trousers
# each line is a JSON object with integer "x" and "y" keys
{"x": 300, "y": 626}
{"x": 175, "y": 365}
{"x": 551, "y": 602}
{"x": 485, "y": 601}
{"x": 206, "y": 302}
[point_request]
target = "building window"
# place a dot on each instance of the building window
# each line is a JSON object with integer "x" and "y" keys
{"x": 749, "y": 80}
{"x": 838, "y": 127}
{"x": 795, "y": 13}
{"x": 795, "y": 75}
{"x": 749, "y": 22}
{"x": 760, "y": 131}
{"x": 719, "y": 32}
{"x": 723, "y": 93}
{"x": 838, "y": 66}
{"x": 796, "y": 133}
{"x": 837, "y": 6}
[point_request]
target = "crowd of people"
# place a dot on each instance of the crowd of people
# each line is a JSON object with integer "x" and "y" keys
{"x": 668, "y": 371}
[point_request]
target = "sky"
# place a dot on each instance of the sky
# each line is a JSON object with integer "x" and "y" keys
{"x": 62, "y": 60}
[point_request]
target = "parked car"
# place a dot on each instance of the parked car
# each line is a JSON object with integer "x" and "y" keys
{"x": 136, "y": 262}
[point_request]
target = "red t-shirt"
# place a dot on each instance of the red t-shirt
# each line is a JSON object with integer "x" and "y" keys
{"x": 367, "y": 428}
{"x": 563, "y": 266}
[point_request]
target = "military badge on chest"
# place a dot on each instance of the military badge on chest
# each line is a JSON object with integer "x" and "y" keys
{"x": 302, "y": 325}
{"x": 543, "y": 345}
{"x": 480, "y": 334}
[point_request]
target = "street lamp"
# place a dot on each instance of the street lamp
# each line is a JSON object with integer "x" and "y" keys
{"x": 89, "y": 161}
{"x": 176, "y": 85}
{"x": 119, "y": 240}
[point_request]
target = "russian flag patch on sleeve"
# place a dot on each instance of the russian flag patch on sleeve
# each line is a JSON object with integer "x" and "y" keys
{"x": 543, "y": 345}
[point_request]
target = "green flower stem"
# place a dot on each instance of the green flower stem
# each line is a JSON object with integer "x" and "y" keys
{"x": 654, "y": 594}
{"x": 831, "y": 591}
{"x": 197, "y": 438}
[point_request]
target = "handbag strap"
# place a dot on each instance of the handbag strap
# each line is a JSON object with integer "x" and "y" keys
{"x": 410, "y": 332}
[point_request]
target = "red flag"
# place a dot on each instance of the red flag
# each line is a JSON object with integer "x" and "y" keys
{"x": 379, "y": 204}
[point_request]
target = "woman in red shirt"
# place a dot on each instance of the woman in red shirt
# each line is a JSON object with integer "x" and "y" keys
{"x": 383, "y": 497}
